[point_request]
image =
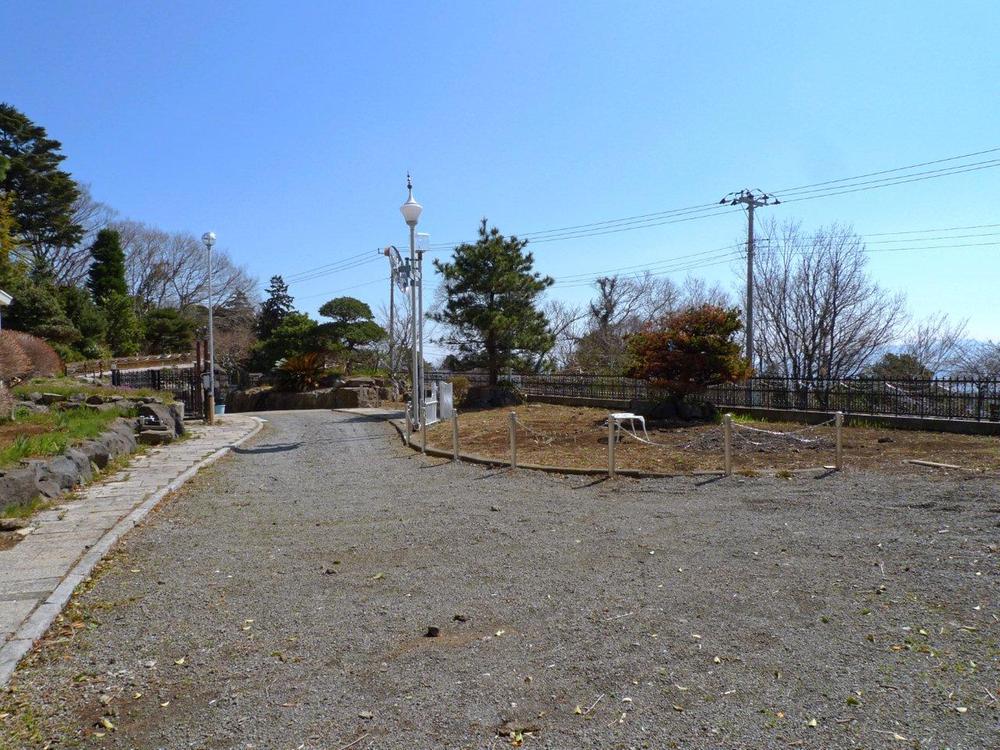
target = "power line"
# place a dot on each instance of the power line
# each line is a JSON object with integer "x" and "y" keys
{"x": 827, "y": 188}
{"x": 894, "y": 169}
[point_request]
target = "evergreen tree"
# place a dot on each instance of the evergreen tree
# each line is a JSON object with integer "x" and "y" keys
{"x": 43, "y": 194}
{"x": 353, "y": 327}
{"x": 491, "y": 296}
{"x": 167, "y": 330}
{"x": 295, "y": 335}
{"x": 106, "y": 277}
{"x": 275, "y": 309}
{"x": 87, "y": 318}
{"x": 124, "y": 332}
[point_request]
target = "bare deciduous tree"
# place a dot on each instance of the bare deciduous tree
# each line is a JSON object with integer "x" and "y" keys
{"x": 171, "y": 269}
{"x": 936, "y": 342}
{"x": 818, "y": 313}
{"x": 980, "y": 359}
{"x": 69, "y": 264}
{"x": 624, "y": 304}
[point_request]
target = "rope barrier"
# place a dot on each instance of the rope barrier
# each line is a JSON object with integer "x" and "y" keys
{"x": 546, "y": 439}
{"x": 791, "y": 434}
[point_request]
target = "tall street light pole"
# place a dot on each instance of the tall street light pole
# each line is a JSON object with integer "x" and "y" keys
{"x": 411, "y": 215}
{"x": 751, "y": 199}
{"x": 209, "y": 239}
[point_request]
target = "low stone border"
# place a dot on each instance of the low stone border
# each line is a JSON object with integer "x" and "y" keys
{"x": 38, "y": 622}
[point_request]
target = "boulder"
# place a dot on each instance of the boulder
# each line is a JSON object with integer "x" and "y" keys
{"x": 32, "y": 407}
{"x": 82, "y": 463}
{"x": 47, "y": 399}
{"x": 56, "y": 475}
{"x": 177, "y": 412}
{"x": 97, "y": 451}
{"x": 17, "y": 488}
{"x": 156, "y": 435}
{"x": 353, "y": 398}
{"x": 358, "y": 382}
{"x": 153, "y": 415}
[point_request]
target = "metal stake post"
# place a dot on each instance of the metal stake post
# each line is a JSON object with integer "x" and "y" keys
{"x": 611, "y": 447}
{"x": 423, "y": 430}
{"x": 727, "y": 442}
{"x": 839, "y": 420}
{"x": 454, "y": 434}
{"x": 406, "y": 418}
{"x": 513, "y": 440}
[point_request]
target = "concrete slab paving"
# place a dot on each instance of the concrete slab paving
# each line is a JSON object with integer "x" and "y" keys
{"x": 38, "y": 575}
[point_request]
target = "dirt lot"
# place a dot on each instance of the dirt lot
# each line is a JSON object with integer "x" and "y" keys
{"x": 280, "y": 601}
{"x": 576, "y": 437}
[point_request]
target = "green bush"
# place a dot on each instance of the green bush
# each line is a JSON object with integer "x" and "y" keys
{"x": 459, "y": 387}
{"x": 302, "y": 372}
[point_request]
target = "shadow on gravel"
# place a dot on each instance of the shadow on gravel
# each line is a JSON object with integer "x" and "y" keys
{"x": 591, "y": 483}
{"x": 275, "y": 448}
{"x": 710, "y": 480}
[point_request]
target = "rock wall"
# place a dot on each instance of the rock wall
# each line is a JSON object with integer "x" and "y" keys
{"x": 50, "y": 477}
{"x": 157, "y": 423}
{"x": 262, "y": 399}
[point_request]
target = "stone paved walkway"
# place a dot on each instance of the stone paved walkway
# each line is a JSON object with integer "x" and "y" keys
{"x": 38, "y": 575}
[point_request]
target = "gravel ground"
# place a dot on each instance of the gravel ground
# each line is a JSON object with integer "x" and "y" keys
{"x": 281, "y": 599}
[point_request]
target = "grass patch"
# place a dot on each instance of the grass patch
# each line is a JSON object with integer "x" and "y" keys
{"x": 36, "y": 435}
{"x": 68, "y": 386}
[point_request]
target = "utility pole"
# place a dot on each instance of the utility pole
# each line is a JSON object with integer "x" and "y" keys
{"x": 395, "y": 264}
{"x": 751, "y": 199}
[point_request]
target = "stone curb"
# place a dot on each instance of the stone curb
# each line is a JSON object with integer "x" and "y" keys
{"x": 38, "y": 622}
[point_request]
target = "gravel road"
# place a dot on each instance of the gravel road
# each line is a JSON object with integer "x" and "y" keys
{"x": 281, "y": 600}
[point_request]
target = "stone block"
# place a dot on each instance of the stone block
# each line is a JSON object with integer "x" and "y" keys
{"x": 156, "y": 436}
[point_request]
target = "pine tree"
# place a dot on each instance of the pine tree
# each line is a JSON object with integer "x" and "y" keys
{"x": 106, "y": 277}
{"x": 43, "y": 194}
{"x": 275, "y": 309}
{"x": 491, "y": 294}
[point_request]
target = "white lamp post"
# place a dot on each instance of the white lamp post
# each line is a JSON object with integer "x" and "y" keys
{"x": 411, "y": 215}
{"x": 209, "y": 239}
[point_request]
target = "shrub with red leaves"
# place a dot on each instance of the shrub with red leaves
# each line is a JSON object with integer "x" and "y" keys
{"x": 24, "y": 355}
{"x": 687, "y": 351}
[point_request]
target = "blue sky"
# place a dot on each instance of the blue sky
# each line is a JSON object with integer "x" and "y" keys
{"x": 288, "y": 127}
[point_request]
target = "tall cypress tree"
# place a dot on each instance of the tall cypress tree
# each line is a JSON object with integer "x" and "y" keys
{"x": 276, "y": 307}
{"x": 492, "y": 293}
{"x": 106, "y": 277}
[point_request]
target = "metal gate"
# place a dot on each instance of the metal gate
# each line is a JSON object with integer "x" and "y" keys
{"x": 183, "y": 383}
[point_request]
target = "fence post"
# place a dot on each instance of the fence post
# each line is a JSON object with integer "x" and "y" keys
{"x": 513, "y": 439}
{"x": 839, "y": 421}
{"x": 406, "y": 421}
{"x": 727, "y": 442}
{"x": 423, "y": 428}
{"x": 612, "y": 447}
{"x": 454, "y": 434}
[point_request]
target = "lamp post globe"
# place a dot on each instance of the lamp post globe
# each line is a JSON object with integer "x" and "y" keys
{"x": 209, "y": 239}
{"x": 411, "y": 209}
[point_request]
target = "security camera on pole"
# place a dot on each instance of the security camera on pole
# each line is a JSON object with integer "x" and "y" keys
{"x": 411, "y": 214}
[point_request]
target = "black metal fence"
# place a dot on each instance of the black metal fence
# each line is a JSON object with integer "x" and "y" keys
{"x": 183, "y": 383}
{"x": 940, "y": 398}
